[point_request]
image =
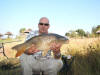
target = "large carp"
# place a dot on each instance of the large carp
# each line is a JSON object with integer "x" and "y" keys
{"x": 42, "y": 42}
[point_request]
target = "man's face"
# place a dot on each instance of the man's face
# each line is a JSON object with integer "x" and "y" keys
{"x": 43, "y": 25}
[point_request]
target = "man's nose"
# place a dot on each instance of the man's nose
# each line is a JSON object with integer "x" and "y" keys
{"x": 43, "y": 26}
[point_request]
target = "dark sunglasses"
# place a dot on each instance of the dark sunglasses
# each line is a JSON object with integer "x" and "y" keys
{"x": 46, "y": 24}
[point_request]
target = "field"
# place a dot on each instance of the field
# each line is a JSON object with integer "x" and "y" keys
{"x": 85, "y": 50}
{"x": 8, "y": 44}
{"x": 77, "y": 45}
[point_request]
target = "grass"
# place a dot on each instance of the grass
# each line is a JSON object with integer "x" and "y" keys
{"x": 8, "y": 44}
{"x": 86, "y": 61}
{"x": 16, "y": 71}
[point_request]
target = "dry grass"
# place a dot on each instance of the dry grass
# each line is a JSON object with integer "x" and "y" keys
{"x": 8, "y": 51}
{"x": 77, "y": 46}
{"x": 86, "y": 52}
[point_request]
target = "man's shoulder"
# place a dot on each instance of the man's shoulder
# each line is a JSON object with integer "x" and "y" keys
{"x": 33, "y": 32}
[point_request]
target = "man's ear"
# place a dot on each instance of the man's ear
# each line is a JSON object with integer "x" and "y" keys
{"x": 49, "y": 26}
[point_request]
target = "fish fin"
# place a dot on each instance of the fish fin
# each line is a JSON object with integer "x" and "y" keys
{"x": 19, "y": 52}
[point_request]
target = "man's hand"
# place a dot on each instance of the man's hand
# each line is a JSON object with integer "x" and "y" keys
{"x": 32, "y": 50}
{"x": 56, "y": 50}
{"x": 55, "y": 47}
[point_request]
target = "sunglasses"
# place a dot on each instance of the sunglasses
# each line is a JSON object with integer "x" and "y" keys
{"x": 46, "y": 24}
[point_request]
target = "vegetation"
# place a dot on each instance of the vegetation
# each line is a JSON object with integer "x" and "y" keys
{"x": 86, "y": 61}
{"x": 86, "y": 52}
{"x": 81, "y": 33}
{"x": 22, "y": 30}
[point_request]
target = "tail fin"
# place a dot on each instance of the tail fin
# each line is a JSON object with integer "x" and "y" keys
{"x": 20, "y": 49}
{"x": 19, "y": 52}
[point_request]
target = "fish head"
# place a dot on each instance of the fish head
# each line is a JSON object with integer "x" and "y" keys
{"x": 63, "y": 40}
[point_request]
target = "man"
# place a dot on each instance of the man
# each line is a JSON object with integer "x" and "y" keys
{"x": 32, "y": 60}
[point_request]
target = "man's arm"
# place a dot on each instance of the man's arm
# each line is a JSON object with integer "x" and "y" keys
{"x": 31, "y": 50}
{"x": 56, "y": 50}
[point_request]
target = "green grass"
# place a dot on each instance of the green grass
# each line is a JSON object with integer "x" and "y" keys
{"x": 16, "y": 71}
{"x": 6, "y": 40}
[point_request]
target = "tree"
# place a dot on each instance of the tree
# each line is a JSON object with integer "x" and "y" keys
{"x": 80, "y": 32}
{"x": 98, "y": 27}
{"x": 22, "y": 30}
{"x": 28, "y": 30}
{"x": 73, "y": 34}
{"x": 67, "y": 34}
{"x": 95, "y": 29}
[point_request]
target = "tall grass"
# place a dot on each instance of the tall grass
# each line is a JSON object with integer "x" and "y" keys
{"x": 86, "y": 61}
{"x": 16, "y": 71}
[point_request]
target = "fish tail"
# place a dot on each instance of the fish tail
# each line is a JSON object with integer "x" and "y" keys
{"x": 19, "y": 52}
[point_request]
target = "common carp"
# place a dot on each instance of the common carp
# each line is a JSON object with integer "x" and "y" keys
{"x": 42, "y": 42}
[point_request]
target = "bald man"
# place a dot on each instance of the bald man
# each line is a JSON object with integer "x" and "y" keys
{"x": 32, "y": 60}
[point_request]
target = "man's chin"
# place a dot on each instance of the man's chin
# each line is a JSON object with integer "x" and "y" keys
{"x": 43, "y": 31}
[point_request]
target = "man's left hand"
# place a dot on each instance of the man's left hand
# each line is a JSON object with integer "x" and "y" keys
{"x": 55, "y": 47}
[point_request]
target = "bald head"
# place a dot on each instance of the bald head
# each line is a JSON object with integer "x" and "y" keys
{"x": 44, "y": 20}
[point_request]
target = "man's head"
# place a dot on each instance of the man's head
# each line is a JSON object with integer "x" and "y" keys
{"x": 43, "y": 25}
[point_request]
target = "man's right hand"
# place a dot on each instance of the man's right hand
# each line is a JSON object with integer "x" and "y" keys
{"x": 31, "y": 50}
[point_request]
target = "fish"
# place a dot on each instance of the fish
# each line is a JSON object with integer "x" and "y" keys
{"x": 42, "y": 42}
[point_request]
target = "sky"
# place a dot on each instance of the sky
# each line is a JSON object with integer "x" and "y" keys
{"x": 64, "y": 15}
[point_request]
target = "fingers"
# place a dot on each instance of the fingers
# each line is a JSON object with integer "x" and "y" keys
{"x": 36, "y": 51}
{"x": 32, "y": 47}
{"x": 55, "y": 46}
